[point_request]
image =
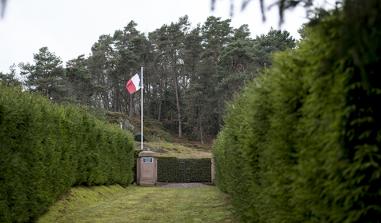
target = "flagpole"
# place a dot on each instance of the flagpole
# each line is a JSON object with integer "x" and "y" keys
{"x": 141, "y": 109}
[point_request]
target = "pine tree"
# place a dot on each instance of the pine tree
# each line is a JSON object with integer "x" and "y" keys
{"x": 46, "y": 75}
{"x": 79, "y": 81}
{"x": 9, "y": 79}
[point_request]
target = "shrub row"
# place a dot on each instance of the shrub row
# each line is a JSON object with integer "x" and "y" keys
{"x": 171, "y": 169}
{"x": 302, "y": 142}
{"x": 45, "y": 149}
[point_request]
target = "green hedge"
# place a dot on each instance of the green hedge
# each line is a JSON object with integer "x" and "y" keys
{"x": 302, "y": 142}
{"x": 45, "y": 149}
{"x": 171, "y": 169}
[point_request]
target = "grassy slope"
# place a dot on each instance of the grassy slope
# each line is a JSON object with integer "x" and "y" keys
{"x": 141, "y": 204}
{"x": 165, "y": 144}
{"x": 181, "y": 150}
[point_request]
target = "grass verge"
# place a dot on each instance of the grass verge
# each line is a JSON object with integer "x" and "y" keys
{"x": 141, "y": 204}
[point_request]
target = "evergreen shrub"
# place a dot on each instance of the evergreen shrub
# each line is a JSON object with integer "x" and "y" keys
{"x": 46, "y": 148}
{"x": 302, "y": 142}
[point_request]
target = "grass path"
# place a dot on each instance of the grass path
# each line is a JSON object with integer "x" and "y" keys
{"x": 141, "y": 204}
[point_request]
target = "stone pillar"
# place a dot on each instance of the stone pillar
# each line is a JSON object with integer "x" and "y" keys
{"x": 147, "y": 168}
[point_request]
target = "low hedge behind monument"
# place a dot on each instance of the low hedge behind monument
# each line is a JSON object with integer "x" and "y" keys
{"x": 172, "y": 169}
{"x": 46, "y": 148}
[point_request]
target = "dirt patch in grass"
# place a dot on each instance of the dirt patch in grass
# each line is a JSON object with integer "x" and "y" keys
{"x": 141, "y": 204}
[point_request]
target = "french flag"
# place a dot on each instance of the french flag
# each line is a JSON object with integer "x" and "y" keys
{"x": 133, "y": 84}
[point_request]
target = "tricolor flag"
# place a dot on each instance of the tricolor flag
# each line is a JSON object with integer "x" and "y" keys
{"x": 133, "y": 84}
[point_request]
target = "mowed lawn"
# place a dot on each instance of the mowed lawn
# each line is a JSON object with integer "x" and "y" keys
{"x": 141, "y": 204}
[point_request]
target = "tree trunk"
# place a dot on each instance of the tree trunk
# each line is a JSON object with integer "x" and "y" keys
{"x": 160, "y": 100}
{"x": 159, "y": 111}
{"x": 178, "y": 106}
{"x": 201, "y": 130}
{"x": 105, "y": 100}
{"x": 117, "y": 99}
{"x": 131, "y": 107}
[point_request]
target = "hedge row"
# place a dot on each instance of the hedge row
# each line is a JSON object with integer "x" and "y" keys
{"x": 171, "y": 169}
{"x": 45, "y": 149}
{"x": 302, "y": 142}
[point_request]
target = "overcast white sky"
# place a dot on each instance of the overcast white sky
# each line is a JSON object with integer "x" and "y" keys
{"x": 70, "y": 27}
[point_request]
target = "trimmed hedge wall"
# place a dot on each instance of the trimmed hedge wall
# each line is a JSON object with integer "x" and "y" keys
{"x": 171, "y": 169}
{"x": 45, "y": 149}
{"x": 302, "y": 142}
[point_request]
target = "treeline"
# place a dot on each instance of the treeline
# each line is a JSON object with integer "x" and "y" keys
{"x": 302, "y": 141}
{"x": 189, "y": 72}
{"x": 45, "y": 149}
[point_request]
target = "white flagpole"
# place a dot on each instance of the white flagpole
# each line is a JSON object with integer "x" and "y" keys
{"x": 141, "y": 108}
